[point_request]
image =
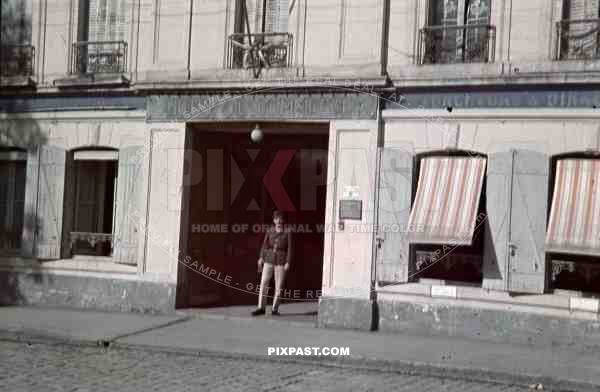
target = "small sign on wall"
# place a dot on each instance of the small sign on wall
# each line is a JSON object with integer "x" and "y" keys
{"x": 351, "y": 193}
{"x": 351, "y": 204}
{"x": 351, "y": 209}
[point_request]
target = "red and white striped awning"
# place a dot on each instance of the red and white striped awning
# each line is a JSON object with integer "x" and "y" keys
{"x": 447, "y": 200}
{"x": 575, "y": 212}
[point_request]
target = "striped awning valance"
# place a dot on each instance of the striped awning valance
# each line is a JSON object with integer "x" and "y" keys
{"x": 447, "y": 200}
{"x": 574, "y": 225}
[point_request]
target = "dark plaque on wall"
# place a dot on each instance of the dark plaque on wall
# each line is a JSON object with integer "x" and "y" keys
{"x": 351, "y": 209}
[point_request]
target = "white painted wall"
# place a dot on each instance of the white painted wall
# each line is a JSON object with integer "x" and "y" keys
{"x": 166, "y": 176}
{"x": 68, "y": 130}
{"x": 348, "y": 254}
{"x": 331, "y": 37}
{"x": 546, "y": 132}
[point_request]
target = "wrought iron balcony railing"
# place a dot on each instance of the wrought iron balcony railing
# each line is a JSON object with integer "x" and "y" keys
{"x": 99, "y": 57}
{"x": 578, "y": 39}
{"x": 264, "y": 50}
{"x": 474, "y": 43}
{"x": 16, "y": 60}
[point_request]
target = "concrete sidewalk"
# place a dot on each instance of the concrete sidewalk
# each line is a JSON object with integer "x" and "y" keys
{"x": 209, "y": 334}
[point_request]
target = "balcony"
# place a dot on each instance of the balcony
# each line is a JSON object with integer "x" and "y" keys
{"x": 17, "y": 64}
{"x": 456, "y": 44}
{"x": 99, "y": 57}
{"x": 258, "y": 51}
{"x": 578, "y": 39}
{"x": 96, "y": 64}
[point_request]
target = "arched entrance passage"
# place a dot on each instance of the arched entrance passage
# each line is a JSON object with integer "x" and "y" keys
{"x": 236, "y": 186}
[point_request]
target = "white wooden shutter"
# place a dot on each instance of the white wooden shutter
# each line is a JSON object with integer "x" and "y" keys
{"x": 498, "y": 199}
{"x": 50, "y": 202}
{"x": 31, "y": 196}
{"x": 277, "y": 16}
{"x": 527, "y": 264}
{"x": 15, "y": 23}
{"x": 19, "y": 201}
{"x": 129, "y": 190}
{"x": 447, "y": 41}
{"x": 584, "y": 35}
{"x": 68, "y": 213}
{"x": 107, "y": 20}
{"x": 583, "y": 9}
{"x": 478, "y": 13}
{"x": 394, "y": 210}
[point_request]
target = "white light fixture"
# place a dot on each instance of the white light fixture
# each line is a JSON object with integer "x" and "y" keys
{"x": 256, "y": 135}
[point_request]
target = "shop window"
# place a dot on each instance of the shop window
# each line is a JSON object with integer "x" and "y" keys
{"x": 446, "y": 217}
{"x": 12, "y": 199}
{"x": 573, "y": 233}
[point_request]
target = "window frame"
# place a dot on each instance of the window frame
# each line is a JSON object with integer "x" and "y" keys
{"x": 480, "y": 233}
{"x": 15, "y": 156}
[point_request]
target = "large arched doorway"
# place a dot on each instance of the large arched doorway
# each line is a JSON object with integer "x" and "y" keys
{"x": 238, "y": 186}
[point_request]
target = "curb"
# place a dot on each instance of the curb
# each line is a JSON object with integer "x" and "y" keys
{"x": 410, "y": 368}
{"x": 268, "y": 320}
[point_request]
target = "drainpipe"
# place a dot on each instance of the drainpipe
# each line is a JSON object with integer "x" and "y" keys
{"x": 385, "y": 32}
{"x": 509, "y": 38}
{"x": 375, "y": 250}
{"x": 189, "y": 57}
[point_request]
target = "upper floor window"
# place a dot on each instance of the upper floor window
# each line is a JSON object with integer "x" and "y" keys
{"x": 16, "y": 52}
{"x": 268, "y": 44}
{"x": 579, "y": 29}
{"x": 458, "y": 31}
{"x": 102, "y": 29}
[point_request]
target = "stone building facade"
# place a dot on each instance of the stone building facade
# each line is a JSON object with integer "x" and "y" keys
{"x": 110, "y": 110}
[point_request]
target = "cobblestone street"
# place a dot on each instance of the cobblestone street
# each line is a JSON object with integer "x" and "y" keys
{"x": 49, "y": 367}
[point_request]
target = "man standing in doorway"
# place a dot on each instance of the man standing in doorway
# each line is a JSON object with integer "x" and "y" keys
{"x": 275, "y": 257}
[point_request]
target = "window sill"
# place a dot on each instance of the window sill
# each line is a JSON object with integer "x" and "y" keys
{"x": 437, "y": 290}
{"x": 77, "y": 263}
{"x": 18, "y": 81}
{"x": 92, "y": 80}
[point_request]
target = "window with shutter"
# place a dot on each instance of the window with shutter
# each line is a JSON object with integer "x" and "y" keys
{"x": 12, "y": 200}
{"x": 580, "y": 29}
{"x": 16, "y": 52}
{"x": 276, "y": 16}
{"x": 16, "y": 28}
{"x": 270, "y": 45}
{"x": 102, "y": 33}
{"x": 458, "y": 31}
{"x": 93, "y": 191}
{"x": 107, "y": 20}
